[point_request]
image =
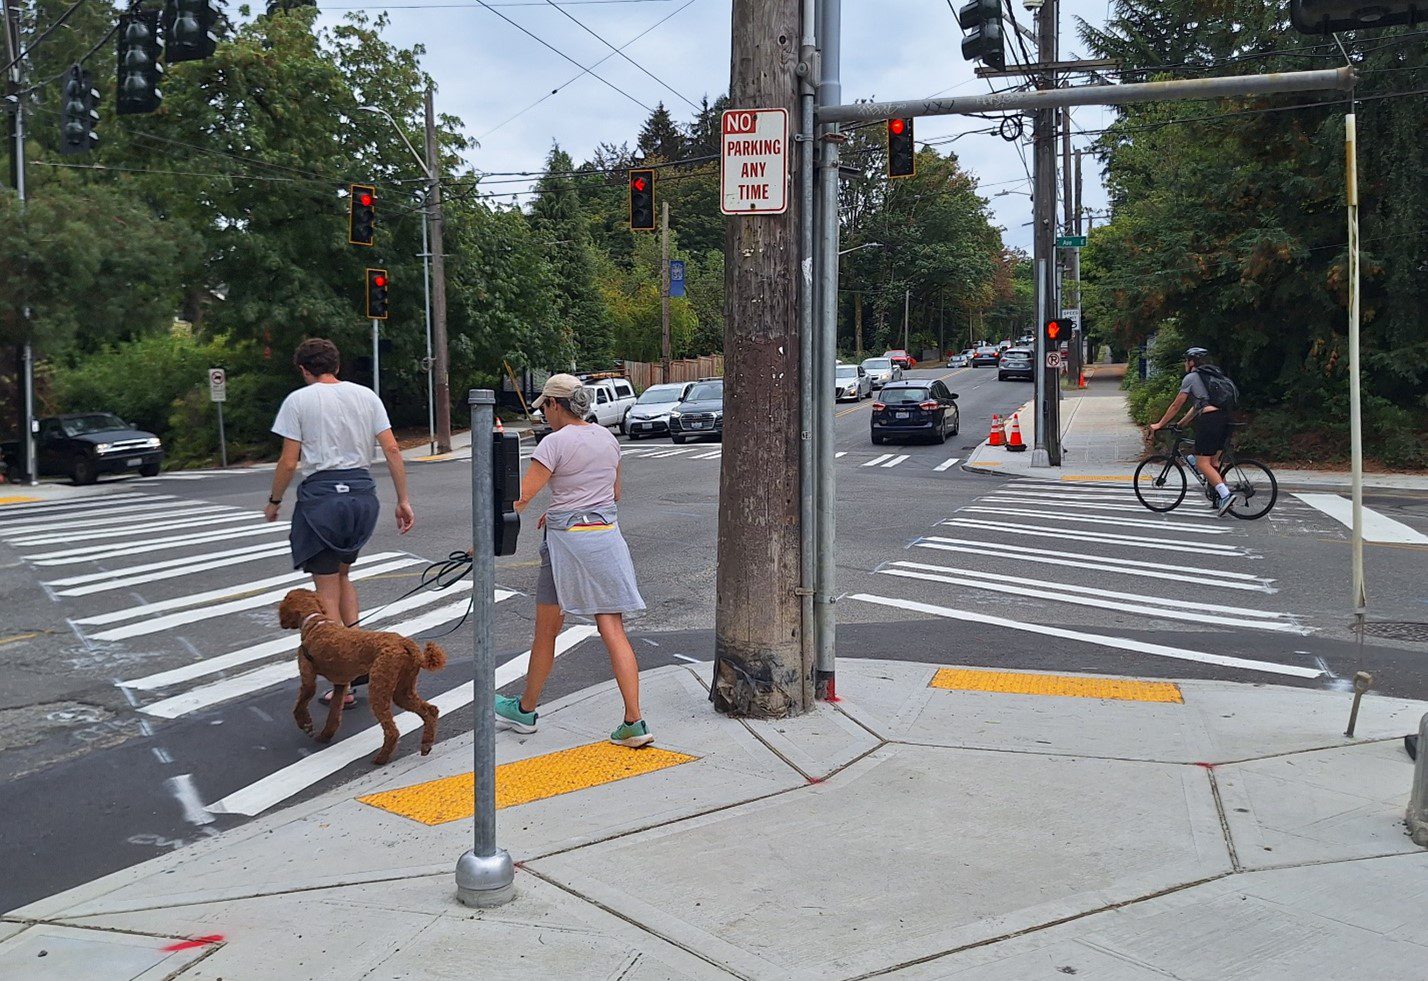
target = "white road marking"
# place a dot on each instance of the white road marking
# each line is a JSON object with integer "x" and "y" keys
{"x": 895, "y": 461}
{"x": 875, "y": 461}
{"x": 945, "y": 465}
{"x": 839, "y": 455}
{"x": 89, "y": 553}
{"x": 1159, "y": 524}
{"x": 1099, "y": 598}
{"x": 1101, "y": 640}
{"x": 686, "y": 657}
{"x": 186, "y": 793}
{"x": 173, "y": 476}
{"x": 1377, "y": 527}
{"x": 162, "y": 755}
{"x": 1041, "y": 531}
{"x": 278, "y": 787}
{"x": 76, "y": 504}
{"x": 709, "y": 456}
{"x": 108, "y": 517}
{"x": 674, "y": 452}
{"x": 227, "y": 689}
{"x": 156, "y": 624}
{"x": 187, "y": 560}
{"x": 89, "y": 536}
{"x": 288, "y": 644}
{"x": 1194, "y": 511}
{"x": 234, "y": 557}
{"x": 1179, "y": 573}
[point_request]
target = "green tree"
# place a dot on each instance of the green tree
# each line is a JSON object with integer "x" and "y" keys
{"x": 560, "y": 226}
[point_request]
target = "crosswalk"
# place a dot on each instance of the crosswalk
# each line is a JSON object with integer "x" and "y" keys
{"x": 1066, "y": 561}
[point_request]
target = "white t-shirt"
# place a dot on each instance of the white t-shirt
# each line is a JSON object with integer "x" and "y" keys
{"x": 336, "y": 425}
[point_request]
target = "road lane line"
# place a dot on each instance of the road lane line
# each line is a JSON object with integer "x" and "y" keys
{"x": 91, "y": 536}
{"x": 88, "y": 554}
{"x": 227, "y": 689}
{"x": 156, "y": 624}
{"x": 188, "y": 560}
{"x": 1041, "y": 531}
{"x": 1158, "y": 524}
{"x": 895, "y": 461}
{"x": 268, "y": 551}
{"x": 1377, "y": 527}
{"x": 1101, "y": 640}
{"x": 279, "y": 786}
{"x": 875, "y": 461}
{"x": 1152, "y": 570}
{"x": 945, "y": 465}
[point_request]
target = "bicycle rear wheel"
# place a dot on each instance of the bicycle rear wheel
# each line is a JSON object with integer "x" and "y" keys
{"x": 1255, "y": 486}
{"x": 1160, "y": 482}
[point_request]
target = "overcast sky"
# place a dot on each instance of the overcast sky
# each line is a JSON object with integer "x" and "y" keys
{"x": 487, "y": 71}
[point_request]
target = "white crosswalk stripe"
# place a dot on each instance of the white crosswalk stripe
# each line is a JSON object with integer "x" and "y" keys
{"x": 895, "y": 461}
{"x": 1118, "y": 521}
{"x": 112, "y": 520}
{"x": 91, "y": 502}
{"x": 140, "y": 529}
{"x": 1042, "y": 531}
{"x": 878, "y": 460}
{"x": 101, "y": 582}
{"x": 945, "y": 465}
{"x": 89, "y": 553}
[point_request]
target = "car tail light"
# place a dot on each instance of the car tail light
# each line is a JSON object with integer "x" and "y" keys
{"x": 928, "y": 405}
{"x": 878, "y": 406}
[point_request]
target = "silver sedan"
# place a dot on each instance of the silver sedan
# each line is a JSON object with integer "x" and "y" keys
{"x": 881, "y": 371}
{"x": 851, "y": 381}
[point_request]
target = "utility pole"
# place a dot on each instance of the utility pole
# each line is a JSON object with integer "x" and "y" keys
{"x": 858, "y": 324}
{"x": 1071, "y": 260}
{"x": 1047, "y": 451}
{"x": 26, "y": 362}
{"x": 1080, "y": 331}
{"x": 906, "y": 307}
{"x": 440, "y": 354}
{"x": 664, "y": 292}
{"x": 759, "y": 664}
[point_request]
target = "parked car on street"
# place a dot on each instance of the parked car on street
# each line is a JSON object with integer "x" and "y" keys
{"x": 851, "y": 381}
{"x": 614, "y": 397}
{"x": 961, "y": 359}
{"x": 701, "y": 413}
{"x": 986, "y": 356}
{"x": 1016, "y": 362}
{"x": 915, "y": 409}
{"x": 650, "y": 414}
{"x": 84, "y": 446}
{"x": 881, "y": 371}
{"x": 901, "y": 358}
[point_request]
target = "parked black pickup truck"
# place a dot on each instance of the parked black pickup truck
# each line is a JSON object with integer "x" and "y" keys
{"x": 85, "y": 445}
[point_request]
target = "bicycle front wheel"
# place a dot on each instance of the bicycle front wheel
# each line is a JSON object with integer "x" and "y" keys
{"x": 1255, "y": 489}
{"x": 1160, "y": 482}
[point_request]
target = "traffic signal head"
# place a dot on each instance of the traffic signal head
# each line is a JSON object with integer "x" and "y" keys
{"x": 79, "y": 115}
{"x": 376, "y": 294}
{"x": 189, "y": 26}
{"x": 902, "y": 153}
{"x": 362, "y": 214}
{"x": 982, "y": 20}
{"x": 1333, "y": 16}
{"x": 642, "y": 209}
{"x": 1056, "y": 330}
{"x": 140, "y": 49}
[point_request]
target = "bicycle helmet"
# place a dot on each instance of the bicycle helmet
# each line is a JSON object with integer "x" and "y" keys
{"x": 1197, "y": 355}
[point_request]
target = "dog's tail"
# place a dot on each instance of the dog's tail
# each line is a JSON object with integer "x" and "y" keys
{"x": 433, "y": 658}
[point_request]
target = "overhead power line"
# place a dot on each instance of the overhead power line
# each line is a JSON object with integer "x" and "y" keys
{"x": 621, "y": 53}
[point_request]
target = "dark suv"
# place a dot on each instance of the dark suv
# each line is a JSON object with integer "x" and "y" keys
{"x": 1015, "y": 363}
{"x": 85, "y": 445}
{"x": 915, "y": 408}
{"x": 699, "y": 413}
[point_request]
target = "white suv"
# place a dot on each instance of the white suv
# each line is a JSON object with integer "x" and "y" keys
{"x": 611, "y": 399}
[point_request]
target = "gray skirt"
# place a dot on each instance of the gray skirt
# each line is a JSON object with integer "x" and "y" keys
{"x": 585, "y": 565}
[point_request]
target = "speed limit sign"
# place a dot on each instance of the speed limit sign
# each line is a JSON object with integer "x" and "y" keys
{"x": 1053, "y": 359}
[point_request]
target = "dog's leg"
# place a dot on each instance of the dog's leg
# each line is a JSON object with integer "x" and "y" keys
{"x": 380, "y": 697}
{"x": 306, "y": 690}
{"x": 412, "y": 702}
{"x": 334, "y": 713}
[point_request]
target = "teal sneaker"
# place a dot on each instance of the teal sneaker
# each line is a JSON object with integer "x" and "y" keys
{"x": 632, "y": 734}
{"x": 509, "y": 714}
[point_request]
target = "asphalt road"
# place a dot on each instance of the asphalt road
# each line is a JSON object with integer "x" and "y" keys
{"x": 141, "y": 686}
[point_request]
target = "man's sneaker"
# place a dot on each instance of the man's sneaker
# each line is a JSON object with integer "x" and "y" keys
{"x": 1226, "y": 502}
{"x": 509, "y": 714}
{"x": 632, "y": 734}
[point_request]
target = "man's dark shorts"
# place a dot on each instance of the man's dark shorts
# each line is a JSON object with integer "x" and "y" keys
{"x": 324, "y": 563}
{"x": 1211, "y": 431}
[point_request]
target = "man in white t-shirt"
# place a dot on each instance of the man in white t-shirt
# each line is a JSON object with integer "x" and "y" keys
{"x": 328, "y": 427}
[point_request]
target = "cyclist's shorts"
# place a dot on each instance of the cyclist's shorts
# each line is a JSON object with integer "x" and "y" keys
{"x": 1211, "y": 430}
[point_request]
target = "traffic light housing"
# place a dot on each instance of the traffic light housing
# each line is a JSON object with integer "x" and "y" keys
{"x": 362, "y": 214}
{"x": 79, "y": 116}
{"x": 506, "y": 484}
{"x": 189, "y": 28}
{"x": 1333, "y": 16}
{"x": 376, "y": 294}
{"x": 982, "y": 19}
{"x": 1057, "y": 332}
{"x": 902, "y": 153}
{"x": 642, "y": 207}
{"x": 140, "y": 71}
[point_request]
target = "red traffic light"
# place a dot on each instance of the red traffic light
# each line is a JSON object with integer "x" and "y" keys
{"x": 896, "y": 126}
{"x": 379, "y": 280}
{"x": 638, "y": 183}
{"x": 366, "y": 200}
{"x": 1053, "y": 330}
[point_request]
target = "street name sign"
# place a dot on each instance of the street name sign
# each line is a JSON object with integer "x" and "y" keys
{"x": 1070, "y": 241}
{"x": 217, "y": 385}
{"x": 753, "y": 162}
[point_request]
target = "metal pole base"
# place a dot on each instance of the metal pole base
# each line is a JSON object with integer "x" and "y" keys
{"x": 1040, "y": 458}
{"x": 485, "y": 882}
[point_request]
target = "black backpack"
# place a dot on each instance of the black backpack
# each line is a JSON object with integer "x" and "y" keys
{"x": 1223, "y": 393}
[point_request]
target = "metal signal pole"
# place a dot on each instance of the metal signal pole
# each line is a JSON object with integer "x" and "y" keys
{"x": 17, "y": 177}
{"x": 664, "y": 293}
{"x": 1047, "y": 449}
{"x": 441, "y": 364}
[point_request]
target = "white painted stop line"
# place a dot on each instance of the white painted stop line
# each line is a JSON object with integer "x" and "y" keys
{"x": 1377, "y": 527}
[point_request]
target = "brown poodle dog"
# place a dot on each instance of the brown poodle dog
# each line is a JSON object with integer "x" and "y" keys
{"x": 341, "y": 654}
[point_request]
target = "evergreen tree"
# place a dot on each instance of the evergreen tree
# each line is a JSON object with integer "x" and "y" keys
{"x": 661, "y": 138}
{"x": 562, "y": 232}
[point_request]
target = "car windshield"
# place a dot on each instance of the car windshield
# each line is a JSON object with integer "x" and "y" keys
{"x": 903, "y": 396}
{"x": 706, "y": 392}
{"x": 98, "y": 422}
{"x": 661, "y": 393}
{"x": 1016, "y": 356}
{"x": 877, "y": 363}
{"x": 847, "y": 371}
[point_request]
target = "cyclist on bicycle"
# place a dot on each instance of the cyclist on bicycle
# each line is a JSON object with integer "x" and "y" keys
{"x": 1211, "y": 396}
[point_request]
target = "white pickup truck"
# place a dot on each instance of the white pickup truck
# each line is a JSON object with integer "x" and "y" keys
{"x": 612, "y": 399}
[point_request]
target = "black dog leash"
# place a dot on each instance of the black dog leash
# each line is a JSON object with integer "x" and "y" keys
{"x": 437, "y": 575}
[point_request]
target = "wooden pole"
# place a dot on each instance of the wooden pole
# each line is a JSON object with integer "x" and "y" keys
{"x": 664, "y": 292}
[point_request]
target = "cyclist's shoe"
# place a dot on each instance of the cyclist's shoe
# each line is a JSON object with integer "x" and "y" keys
{"x": 1226, "y": 502}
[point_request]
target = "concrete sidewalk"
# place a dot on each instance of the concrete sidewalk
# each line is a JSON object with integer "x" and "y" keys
{"x": 1100, "y": 442}
{"x": 461, "y": 444}
{"x": 936, "y": 823}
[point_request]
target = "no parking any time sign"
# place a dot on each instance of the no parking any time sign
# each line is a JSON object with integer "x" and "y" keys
{"x": 753, "y": 162}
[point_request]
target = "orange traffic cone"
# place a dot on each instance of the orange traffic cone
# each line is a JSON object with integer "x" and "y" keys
{"x": 1014, "y": 444}
{"x": 1081, "y": 382}
{"x": 500, "y": 426}
{"x": 995, "y": 437}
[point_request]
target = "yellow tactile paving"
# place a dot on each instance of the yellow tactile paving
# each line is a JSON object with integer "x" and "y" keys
{"x": 1015, "y": 683}
{"x": 577, "y": 768}
{"x": 17, "y": 499}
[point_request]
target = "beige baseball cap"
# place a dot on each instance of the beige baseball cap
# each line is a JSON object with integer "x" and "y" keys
{"x": 560, "y": 386}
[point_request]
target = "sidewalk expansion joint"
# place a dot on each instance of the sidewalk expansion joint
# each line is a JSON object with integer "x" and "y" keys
{"x": 1225, "y": 830}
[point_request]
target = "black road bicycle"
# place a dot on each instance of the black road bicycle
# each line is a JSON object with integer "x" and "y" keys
{"x": 1160, "y": 482}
